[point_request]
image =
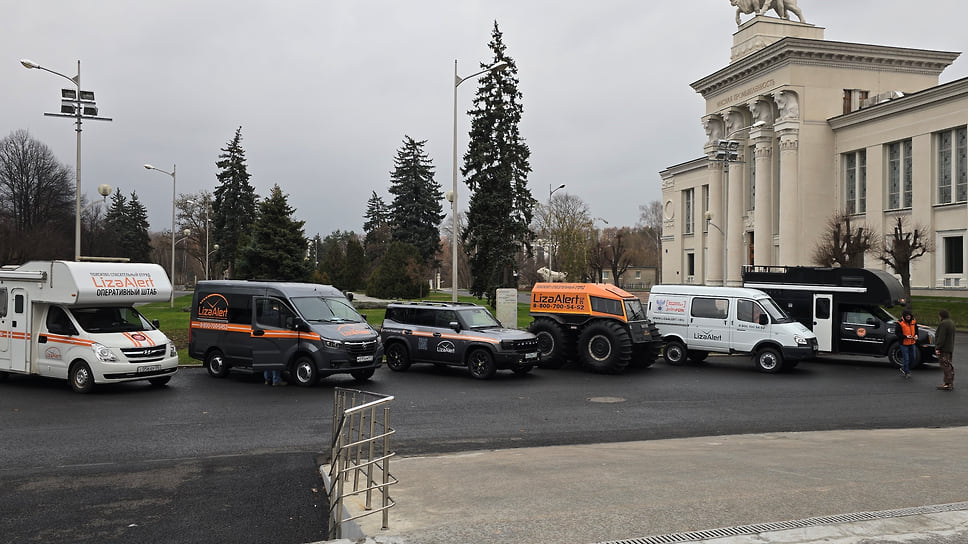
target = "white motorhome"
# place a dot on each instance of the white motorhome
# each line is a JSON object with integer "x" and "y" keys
{"x": 76, "y": 321}
{"x": 695, "y": 321}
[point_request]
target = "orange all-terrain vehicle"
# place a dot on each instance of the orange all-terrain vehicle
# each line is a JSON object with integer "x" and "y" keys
{"x": 599, "y": 325}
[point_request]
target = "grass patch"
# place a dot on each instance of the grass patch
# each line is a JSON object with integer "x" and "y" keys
{"x": 925, "y": 310}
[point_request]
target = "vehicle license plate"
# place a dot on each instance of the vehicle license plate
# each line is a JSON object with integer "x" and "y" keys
{"x": 531, "y": 355}
{"x": 148, "y": 368}
{"x": 364, "y": 358}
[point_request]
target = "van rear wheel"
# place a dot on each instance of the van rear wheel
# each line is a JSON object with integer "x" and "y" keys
{"x": 674, "y": 352}
{"x": 215, "y": 364}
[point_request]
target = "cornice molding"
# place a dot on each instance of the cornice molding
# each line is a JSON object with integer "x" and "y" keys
{"x": 789, "y": 51}
{"x": 954, "y": 90}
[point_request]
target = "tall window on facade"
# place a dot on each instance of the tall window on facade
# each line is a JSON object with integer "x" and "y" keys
{"x": 954, "y": 256}
{"x": 953, "y": 166}
{"x": 899, "y": 175}
{"x": 751, "y": 193}
{"x": 855, "y": 181}
{"x": 690, "y": 264}
{"x": 688, "y": 201}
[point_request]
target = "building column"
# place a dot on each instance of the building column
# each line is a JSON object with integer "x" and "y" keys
{"x": 712, "y": 236}
{"x": 735, "y": 210}
{"x": 763, "y": 214}
{"x": 790, "y": 224}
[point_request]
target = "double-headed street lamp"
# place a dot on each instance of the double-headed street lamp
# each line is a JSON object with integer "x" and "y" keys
{"x": 171, "y": 299}
{"x": 452, "y": 196}
{"x": 79, "y": 105}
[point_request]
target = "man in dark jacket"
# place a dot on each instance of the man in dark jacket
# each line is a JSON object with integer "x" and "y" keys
{"x": 945, "y": 346}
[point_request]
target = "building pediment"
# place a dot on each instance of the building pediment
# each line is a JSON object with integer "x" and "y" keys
{"x": 841, "y": 55}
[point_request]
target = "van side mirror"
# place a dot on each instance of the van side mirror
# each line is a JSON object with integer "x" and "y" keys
{"x": 455, "y": 325}
{"x": 764, "y": 319}
{"x": 156, "y": 324}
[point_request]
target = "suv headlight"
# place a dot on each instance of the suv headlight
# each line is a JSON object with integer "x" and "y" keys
{"x": 103, "y": 354}
{"x": 800, "y": 340}
{"x": 332, "y": 344}
{"x": 172, "y": 351}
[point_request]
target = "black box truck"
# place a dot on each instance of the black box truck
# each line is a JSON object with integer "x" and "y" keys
{"x": 844, "y": 307}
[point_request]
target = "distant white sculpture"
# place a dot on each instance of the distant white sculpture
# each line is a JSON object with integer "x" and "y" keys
{"x": 549, "y": 275}
{"x": 786, "y": 103}
{"x": 783, "y": 8}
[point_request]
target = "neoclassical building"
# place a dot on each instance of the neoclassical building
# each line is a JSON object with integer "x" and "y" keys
{"x": 818, "y": 127}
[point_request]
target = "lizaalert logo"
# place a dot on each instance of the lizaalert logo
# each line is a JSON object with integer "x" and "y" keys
{"x": 214, "y": 306}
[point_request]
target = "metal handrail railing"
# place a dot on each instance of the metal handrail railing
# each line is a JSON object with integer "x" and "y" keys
{"x": 357, "y": 429}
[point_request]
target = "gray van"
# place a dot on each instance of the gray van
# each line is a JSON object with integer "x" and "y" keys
{"x": 307, "y": 329}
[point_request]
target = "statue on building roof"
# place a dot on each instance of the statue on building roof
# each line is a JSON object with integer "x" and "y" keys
{"x": 783, "y": 8}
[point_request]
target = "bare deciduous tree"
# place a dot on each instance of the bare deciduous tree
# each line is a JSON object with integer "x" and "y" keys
{"x": 650, "y": 222}
{"x": 902, "y": 246}
{"x": 843, "y": 243}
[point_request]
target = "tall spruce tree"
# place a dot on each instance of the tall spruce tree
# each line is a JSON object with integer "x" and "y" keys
{"x": 376, "y": 230}
{"x": 415, "y": 212}
{"x": 496, "y": 169}
{"x": 234, "y": 205}
{"x": 135, "y": 240}
{"x": 277, "y": 246}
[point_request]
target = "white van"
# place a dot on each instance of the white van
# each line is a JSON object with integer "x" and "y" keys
{"x": 695, "y": 321}
{"x": 76, "y": 321}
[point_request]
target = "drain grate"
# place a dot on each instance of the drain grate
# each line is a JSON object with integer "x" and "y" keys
{"x": 693, "y": 536}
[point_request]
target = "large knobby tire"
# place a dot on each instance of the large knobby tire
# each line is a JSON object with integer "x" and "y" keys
{"x": 674, "y": 352}
{"x": 553, "y": 342}
{"x": 81, "y": 378}
{"x": 216, "y": 365}
{"x": 481, "y": 364}
{"x": 605, "y": 347}
{"x": 398, "y": 358}
{"x": 768, "y": 360}
{"x": 304, "y": 371}
{"x": 645, "y": 355}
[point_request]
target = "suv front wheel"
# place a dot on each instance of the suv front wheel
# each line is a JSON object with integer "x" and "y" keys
{"x": 481, "y": 364}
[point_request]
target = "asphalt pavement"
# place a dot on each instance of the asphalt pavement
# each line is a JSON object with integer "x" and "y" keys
{"x": 839, "y": 487}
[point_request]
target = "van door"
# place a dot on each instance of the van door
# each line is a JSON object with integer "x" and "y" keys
{"x": 823, "y": 321}
{"x": 15, "y": 345}
{"x": 709, "y": 328}
{"x": 861, "y": 332}
{"x": 748, "y": 329}
{"x": 273, "y": 335}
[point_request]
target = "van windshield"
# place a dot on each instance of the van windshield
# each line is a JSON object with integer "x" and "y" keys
{"x": 111, "y": 319}
{"x": 327, "y": 310}
{"x": 776, "y": 313}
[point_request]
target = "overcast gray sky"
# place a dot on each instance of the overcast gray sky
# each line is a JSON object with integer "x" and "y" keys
{"x": 325, "y": 91}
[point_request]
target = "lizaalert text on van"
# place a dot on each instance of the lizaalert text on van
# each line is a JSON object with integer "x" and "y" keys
{"x": 695, "y": 321}
{"x": 77, "y": 321}
{"x": 308, "y": 330}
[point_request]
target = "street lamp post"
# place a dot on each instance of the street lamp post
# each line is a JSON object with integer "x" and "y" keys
{"x": 554, "y": 244}
{"x": 171, "y": 299}
{"x": 452, "y": 197}
{"x": 727, "y": 151}
{"x": 79, "y": 105}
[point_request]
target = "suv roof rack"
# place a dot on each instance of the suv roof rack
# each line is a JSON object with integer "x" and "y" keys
{"x": 432, "y": 303}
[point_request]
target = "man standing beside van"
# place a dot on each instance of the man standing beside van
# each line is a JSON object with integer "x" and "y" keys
{"x": 908, "y": 331}
{"x": 945, "y": 345}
